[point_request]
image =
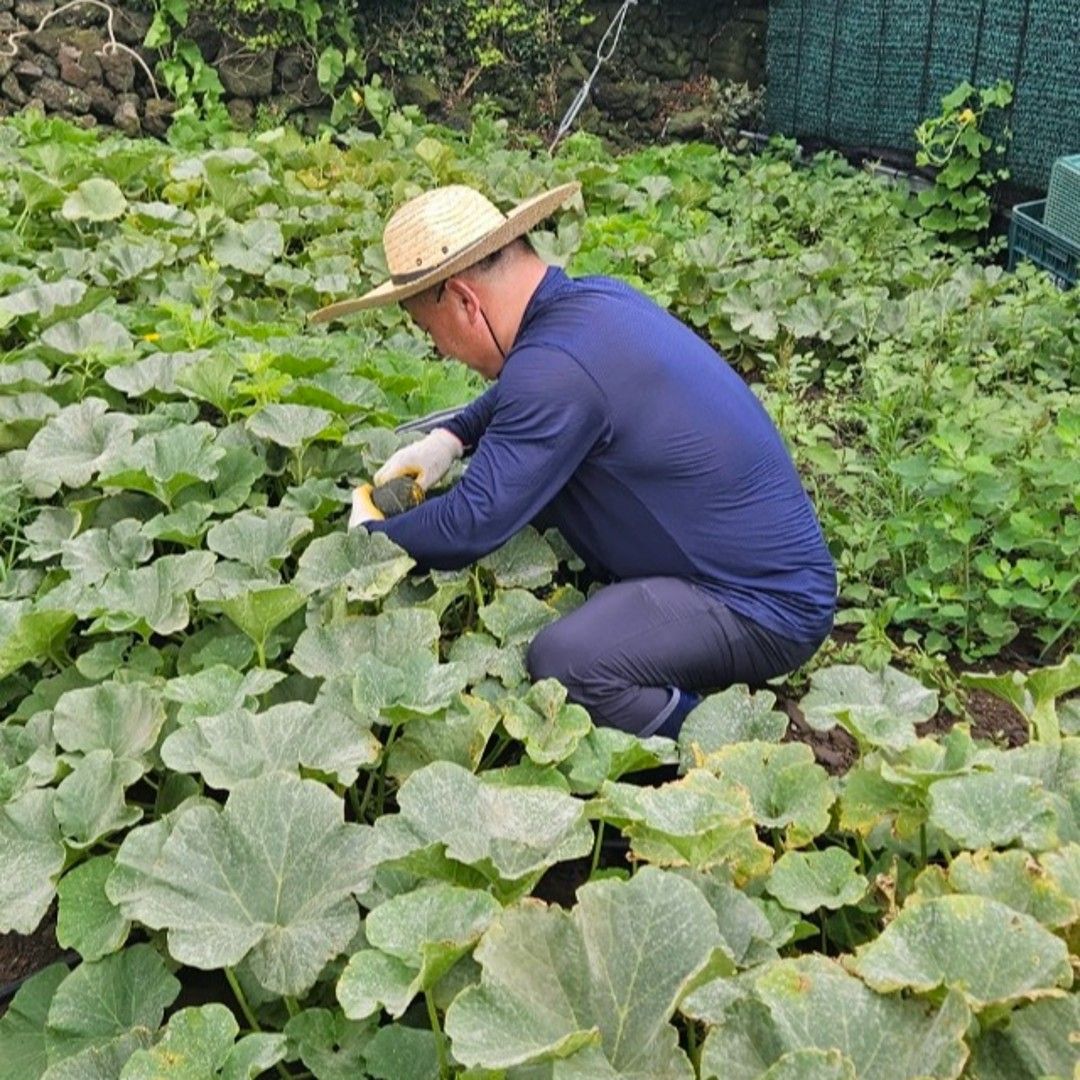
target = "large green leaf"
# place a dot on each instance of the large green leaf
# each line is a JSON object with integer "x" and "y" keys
{"x": 367, "y": 564}
{"x": 607, "y": 976}
{"x": 510, "y": 835}
{"x": 330, "y": 1045}
{"x": 27, "y": 635}
{"x": 94, "y": 332}
{"x": 458, "y": 734}
{"x": 415, "y": 683}
{"x": 123, "y": 718}
{"x": 152, "y": 598}
{"x": 396, "y": 1052}
{"x": 96, "y": 199}
{"x": 87, "y": 920}
{"x": 416, "y": 938}
{"x": 608, "y": 754}
{"x": 525, "y": 561}
{"x": 93, "y": 555}
{"x": 788, "y": 789}
{"x": 75, "y": 445}
{"x": 290, "y": 425}
{"x": 986, "y": 951}
{"x": 514, "y": 616}
{"x": 481, "y": 655}
{"x": 328, "y": 651}
{"x": 252, "y": 247}
{"x": 699, "y": 821}
{"x": 217, "y": 689}
{"x": 241, "y": 745}
{"x": 259, "y": 608}
{"x": 549, "y": 727}
{"x": 198, "y": 1044}
{"x": 807, "y": 880}
{"x": 43, "y": 298}
{"x": 268, "y": 878}
{"x": 1039, "y": 1041}
{"x": 813, "y": 1003}
{"x": 1047, "y": 888}
{"x": 261, "y": 539}
{"x": 23, "y": 1055}
{"x": 102, "y": 1002}
{"x": 154, "y": 373}
{"x": 166, "y": 462}
{"x": 879, "y": 709}
{"x": 32, "y": 857}
{"x": 994, "y": 809}
{"x": 746, "y": 931}
{"x": 734, "y": 715}
{"x": 90, "y": 801}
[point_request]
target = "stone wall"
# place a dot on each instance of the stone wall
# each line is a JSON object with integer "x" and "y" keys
{"x": 659, "y": 82}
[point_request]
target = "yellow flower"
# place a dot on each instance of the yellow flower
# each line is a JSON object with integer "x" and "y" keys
{"x": 967, "y": 117}
{"x": 151, "y": 337}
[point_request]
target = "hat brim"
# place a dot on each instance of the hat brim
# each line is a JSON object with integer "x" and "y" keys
{"x": 518, "y": 222}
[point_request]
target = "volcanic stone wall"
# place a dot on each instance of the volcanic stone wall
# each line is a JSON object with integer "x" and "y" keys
{"x": 85, "y": 65}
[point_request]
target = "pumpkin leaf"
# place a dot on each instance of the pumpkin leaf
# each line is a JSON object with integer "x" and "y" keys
{"x": 987, "y": 952}
{"x": 732, "y": 716}
{"x": 268, "y": 878}
{"x": 555, "y": 982}
{"x": 32, "y": 857}
{"x": 525, "y": 561}
{"x": 510, "y": 835}
{"x": 879, "y": 709}
{"x": 788, "y": 789}
{"x": 699, "y": 821}
{"x": 416, "y": 938}
{"x": 96, "y": 199}
{"x": 75, "y": 445}
{"x": 514, "y": 616}
{"x": 812, "y": 1003}
{"x": 87, "y": 920}
{"x": 368, "y": 565}
{"x": 549, "y": 727}
{"x": 239, "y": 745}
{"x": 198, "y": 1044}
{"x": 807, "y": 880}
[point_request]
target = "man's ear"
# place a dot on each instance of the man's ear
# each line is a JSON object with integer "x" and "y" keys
{"x": 462, "y": 293}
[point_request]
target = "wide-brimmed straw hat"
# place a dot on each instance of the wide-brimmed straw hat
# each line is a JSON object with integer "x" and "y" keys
{"x": 442, "y": 232}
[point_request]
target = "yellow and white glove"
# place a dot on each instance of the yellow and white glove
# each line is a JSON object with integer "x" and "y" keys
{"x": 428, "y": 460}
{"x": 363, "y": 509}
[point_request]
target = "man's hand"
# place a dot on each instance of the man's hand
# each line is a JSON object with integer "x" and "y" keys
{"x": 363, "y": 509}
{"x": 427, "y": 460}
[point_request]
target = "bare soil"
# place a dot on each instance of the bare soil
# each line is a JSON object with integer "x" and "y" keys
{"x": 23, "y": 954}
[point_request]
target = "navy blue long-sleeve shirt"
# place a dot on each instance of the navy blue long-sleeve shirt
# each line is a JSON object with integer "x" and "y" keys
{"x": 644, "y": 448}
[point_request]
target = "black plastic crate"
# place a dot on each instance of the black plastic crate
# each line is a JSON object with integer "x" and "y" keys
{"x": 1030, "y": 238}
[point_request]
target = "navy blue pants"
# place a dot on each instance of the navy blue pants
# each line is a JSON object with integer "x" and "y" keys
{"x": 627, "y": 652}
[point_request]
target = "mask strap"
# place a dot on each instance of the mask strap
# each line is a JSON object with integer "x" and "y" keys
{"x": 487, "y": 323}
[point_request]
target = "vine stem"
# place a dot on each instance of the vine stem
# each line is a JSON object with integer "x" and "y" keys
{"x": 597, "y": 847}
{"x": 11, "y": 48}
{"x": 241, "y": 1000}
{"x": 440, "y": 1038}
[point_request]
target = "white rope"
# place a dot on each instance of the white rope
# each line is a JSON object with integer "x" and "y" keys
{"x": 10, "y": 47}
{"x": 604, "y": 52}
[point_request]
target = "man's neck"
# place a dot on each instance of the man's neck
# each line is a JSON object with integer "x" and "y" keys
{"x": 519, "y": 290}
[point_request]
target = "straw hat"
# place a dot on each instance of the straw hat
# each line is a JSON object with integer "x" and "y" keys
{"x": 442, "y": 232}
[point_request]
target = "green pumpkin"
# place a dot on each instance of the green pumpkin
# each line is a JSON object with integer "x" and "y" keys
{"x": 397, "y": 495}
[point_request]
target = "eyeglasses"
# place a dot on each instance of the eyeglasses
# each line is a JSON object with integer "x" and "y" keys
{"x": 440, "y": 290}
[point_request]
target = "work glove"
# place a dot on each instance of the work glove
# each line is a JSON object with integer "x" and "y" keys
{"x": 363, "y": 509}
{"x": 427, "y": 460}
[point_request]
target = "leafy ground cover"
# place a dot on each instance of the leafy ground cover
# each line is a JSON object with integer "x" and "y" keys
{"x": 240, "y": 740}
